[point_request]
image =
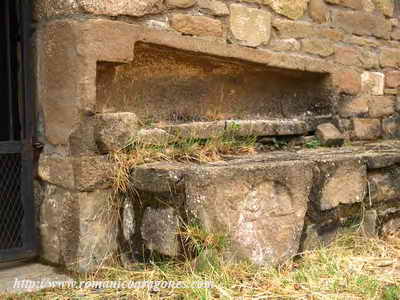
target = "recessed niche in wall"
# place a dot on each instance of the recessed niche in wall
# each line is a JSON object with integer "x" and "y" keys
{"x": 169, "y": 85}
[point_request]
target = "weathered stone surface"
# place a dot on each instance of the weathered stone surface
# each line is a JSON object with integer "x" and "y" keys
{"x": 390, "y": 57}
{"x": 346, "y": 55}
{"x": 76, "y": 228}
{"x": 331, "y": 34}
{"x": 237, "y": 127}
{"x": 366, "y": 129}
{"x": 354, "y": 107}
{"x": 392, "y": 79}
{"x": 50, "y": 8}
{"x": 252, "y": 27}
{"x": 369, "y": 224}
{"x": 395, "y": 33}
{"x": 136, "y": 8}
{"x": 285, "y": 45}
{"x": 384, "y": 184}
{"x": 180, "y": 3}
{"x": 347, "y": 81}
{"x": 196, "y": 25}
{"x": 287, "y": 8}
{"x": 292, "y": 29}
{"x": 159, "y": 229}
{"x": 380, "y": 106}
{"x": 391, "y": 127}
{"x": 355, "y": 4}
{"x": 322, "y": 47}
{"x": 114, "y": 131}
{"x": 153, "y": 136}
{"x": 319, "y": 11}
{"x": 362, "y": 23}
{"x": 385, "y": 6}
{"x": 329, "y": 135}
{"x": 214, "y": 7}
{"x": 260, "y": 206}
{"x": 372, "y": 83}
{"x": 339, "y": 182}
{"x": 83, "y": 173}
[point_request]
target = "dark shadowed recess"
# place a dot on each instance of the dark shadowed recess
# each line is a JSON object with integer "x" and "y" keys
{"x": 169, "y": 85}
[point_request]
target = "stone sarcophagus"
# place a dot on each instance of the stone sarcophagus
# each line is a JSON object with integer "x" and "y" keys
{"x": 112, "y": 73}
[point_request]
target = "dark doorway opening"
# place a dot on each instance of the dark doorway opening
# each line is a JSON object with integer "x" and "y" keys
{"x": 17, "y": 230}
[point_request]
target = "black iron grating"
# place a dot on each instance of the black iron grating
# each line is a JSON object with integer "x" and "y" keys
{"x": 11, "y": 208}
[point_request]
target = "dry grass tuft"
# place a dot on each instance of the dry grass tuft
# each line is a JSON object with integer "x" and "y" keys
{"x": 354, "y": 267}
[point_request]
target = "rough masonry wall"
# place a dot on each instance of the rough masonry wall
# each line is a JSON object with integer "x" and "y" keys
{"x": 352, "y": 44}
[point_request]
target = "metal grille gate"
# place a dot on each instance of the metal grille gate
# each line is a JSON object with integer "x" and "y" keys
{"x": 17, "y": 228}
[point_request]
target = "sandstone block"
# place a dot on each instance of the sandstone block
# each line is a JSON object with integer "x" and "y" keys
{"x": 289, "y": 8}
{"x": 319, "y": 11}
{"x": 159, "y": 229}
{"x": 322, "y": 47}
{"x": 180, "y": 3}
{"x": 367, "y": 129}
{"x": 83, "y": 173}
{"x": 384, "y": 184}
{"x": 76, "y": 228}
{"x": 214, "y": 7}
{"x": 339, "y": 182}
{"x": 391, "y": 127}
{"x": 196, "y": 25}
{"x": 292, "y": 29}
{"x": 252, "y": 27}
{"x": 329, "y": 135}
{"x": 385, "y": 6}
{"x": 355, "y": 4}
{"x": 392, "y": 79}
{"x": 347, "y": 81}
{"x": 362, "y": 23}
{"x": 285, "y": 45}
{"x": 372, "y": 83}
{"x": 390, "y": 57}
{"x": 114, "y": 131}
{"x": 395, "y": 34}
{"x": 347, "y": 56}
{"x": 380, "y": 106}
{"x": 136, "y": 8}
{"x": 249, "y": 202}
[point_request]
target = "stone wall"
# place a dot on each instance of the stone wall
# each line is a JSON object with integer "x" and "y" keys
{"x": 89, "y": 51}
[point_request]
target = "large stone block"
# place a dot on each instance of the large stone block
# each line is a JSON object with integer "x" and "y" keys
{"x": 384, "y": 184}
{"x": 77, "y": 229}
{"x": 372, "y": 83}
{"x": 160, "y": 229}
{"x": 180, "y": 3}
{"x": 390, "y": 57}
{"x": 214, "y": 7}
{"x": 261, "y": 207}
{"x": 362, "y": 23}
{"x": 366, "y": 129}
{"x": 392, "y": 79}
{"x": 347, "y": 81}
{"x": 196, "y": 25}
{"x": 136, "y": 8}
{"x": 391, "y": 127}
{"x": 322, "y": 47}
{"x": 339, "y": 182}
{"x": 380, "y": 106}
{"x": 114, "y": 131}
{"x": 83, "y": 173}
{"x": 252, "y": 27}
{"x": 354, "y": 107}
{"x": 287, "y": 8}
